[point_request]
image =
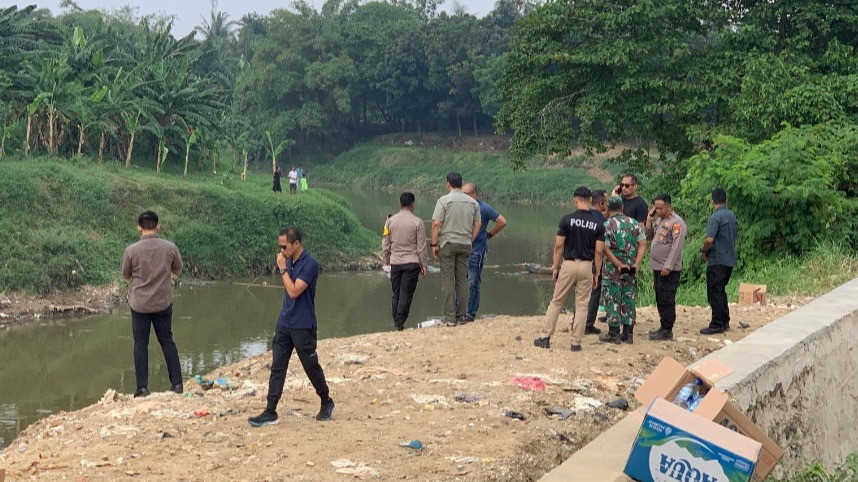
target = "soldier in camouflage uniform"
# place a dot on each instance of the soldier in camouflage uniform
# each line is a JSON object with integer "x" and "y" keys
{"x": 625, "y": 246}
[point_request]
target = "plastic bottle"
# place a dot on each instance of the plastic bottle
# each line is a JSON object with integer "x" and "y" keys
{"x": 689, "y": 395}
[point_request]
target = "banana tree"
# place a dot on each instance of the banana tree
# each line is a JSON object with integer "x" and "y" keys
{"x": 274, "y": 151}
{"x": 189, "y": 141}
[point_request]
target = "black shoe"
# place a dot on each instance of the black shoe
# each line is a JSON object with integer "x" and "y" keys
{"x": 661, "y": 335}
{"x": 178, "y": 388}
{"x": 613, "y": 336}
{"x": 575, "y": 348}
{"x": 628, "y": 335}
{"x": 264, "y": 418}
{"x": 542, "y": 343}
{"x": 469, "y": 319}
{"x": 653, "y": 332}
{"x": 592, "y": 330}
{"x": 603, "y": 319}
{"x": 326, "y": 411}
{"x": 141, "y": 392}
{"x": 711, "y": 330}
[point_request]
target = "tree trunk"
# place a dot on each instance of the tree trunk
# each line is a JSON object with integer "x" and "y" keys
{"x": 27, "y": 138}
{"x": 273, "y": 164}
{"x": 51, "y": 130}
{"x": 244, "y": 173}
{"x": 80, "y": 137}
{"x": 101, "y": 148}
{"x": 158, "y": 159}
{"x": 474, "y": 118}
{"x": 130, "y": 150}
{"x": 459, "y": 124}
{"x": 187, "y": 156}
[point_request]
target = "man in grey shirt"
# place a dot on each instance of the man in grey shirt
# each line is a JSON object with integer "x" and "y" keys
{"x": 148, "y": 264}
{"x": 667, "y": 235}
{"x": 455, "y": 224}
{"x": 403, "y": 247}
{"x": 719, "y": 252}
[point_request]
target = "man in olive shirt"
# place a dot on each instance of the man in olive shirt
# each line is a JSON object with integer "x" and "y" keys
{"x": 403, "y": 247}
{"x": 148, "y": 264}
{"x": 667, "y": 232}
{"x": 719, "y": 252}
{"x": 455, "y": 224}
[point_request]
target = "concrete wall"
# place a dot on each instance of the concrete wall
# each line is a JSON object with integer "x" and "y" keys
{"x": 796, "y": 378}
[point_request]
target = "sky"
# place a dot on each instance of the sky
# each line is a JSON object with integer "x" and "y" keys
{"x": 189, "y": 13}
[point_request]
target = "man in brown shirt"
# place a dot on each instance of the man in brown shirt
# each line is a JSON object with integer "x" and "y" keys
{"x": 403, "y": 247}
{"x": 667, "y": 232}
{"x": 148, "y": 264}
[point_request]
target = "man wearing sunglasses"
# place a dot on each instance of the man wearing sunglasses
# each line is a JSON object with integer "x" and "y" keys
{"x": 633, "y": 205}
{"x": 296, "y": 327}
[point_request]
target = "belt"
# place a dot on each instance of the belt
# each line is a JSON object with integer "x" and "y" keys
{"x": 578, "y": 259}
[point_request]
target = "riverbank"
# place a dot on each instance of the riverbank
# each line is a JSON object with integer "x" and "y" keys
{"x": 65, "y": 223}
{"x": 18, "y": 307}
{"x": 447, "y": 387}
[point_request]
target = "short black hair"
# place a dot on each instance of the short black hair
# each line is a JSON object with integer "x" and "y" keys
{"x": 292, "y": 234}
{"x": 455, "y": 180}
{"x": 634, "y": 178}
{"x": 406, "y": 199}
{"x": 148, "y": 220}
{"x": 583, "y": 192}
{"x": 597, "y": 196}
{"x": 719, "y": 196}
{"x": 664, "y": 197}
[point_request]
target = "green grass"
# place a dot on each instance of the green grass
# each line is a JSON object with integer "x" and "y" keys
{"x": 65, "y": 223}
{"x": 815, "y": 472}
{"x": 424, "y": 170}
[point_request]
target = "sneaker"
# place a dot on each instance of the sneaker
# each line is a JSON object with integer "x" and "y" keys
{"x": 661, "y": 335}
{"x": 575, "y": 348}
{"x": 592, "y": 330}
{"x": 470, "y": 318}
{"x": 264, "y": 418}
{"x": 141, "y": 392}
{"x": 542, "y": 343}
{"x": 326, "y": 411}
{"x": 178, "y": 388}
{"x": 711, "y": 330}
{"x": 450, "y": 323}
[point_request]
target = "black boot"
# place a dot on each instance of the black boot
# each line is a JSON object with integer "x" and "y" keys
{"x": 613, "y": 335}
{"x": 628, "y": 334}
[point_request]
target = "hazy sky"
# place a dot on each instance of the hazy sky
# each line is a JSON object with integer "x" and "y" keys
{"x": 189, "y": 12}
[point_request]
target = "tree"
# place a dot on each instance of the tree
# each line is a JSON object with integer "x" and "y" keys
{"x": 275, "y": 150}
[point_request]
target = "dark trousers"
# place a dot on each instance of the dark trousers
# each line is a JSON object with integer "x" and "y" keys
{"x": 162, "y": 322}
{"x": 403, "y": 280}
{"x": 593, "y": 305}
{"x": 717, "y": 277}
{"x": 304, "y": 342}
{"x": 665, "y": 297}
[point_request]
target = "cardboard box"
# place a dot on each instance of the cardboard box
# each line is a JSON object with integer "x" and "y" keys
{"x": 750, "y": 294}
{"x": 673, "y": 444}
{"x": 670, "y": 376}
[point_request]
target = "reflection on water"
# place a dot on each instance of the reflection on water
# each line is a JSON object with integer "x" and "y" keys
{"x": 68, "y": 364}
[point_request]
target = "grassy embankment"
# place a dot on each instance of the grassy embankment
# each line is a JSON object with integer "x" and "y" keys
{"x": 424, "y": 169}
{"x": 65, "y": 223}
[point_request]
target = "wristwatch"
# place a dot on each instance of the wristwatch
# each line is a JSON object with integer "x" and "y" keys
{"x": 434, "y": 245}
{"x": 489, "y": 235}
{"x": 281, "y": 271}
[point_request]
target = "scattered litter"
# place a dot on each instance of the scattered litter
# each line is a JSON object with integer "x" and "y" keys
{"x": 620, "y": 404}
{"x": 414, "y": 444}
{"x": 22, "y": 448}
{"x": 428, "y": 323}
{"x": 585, "y": 405}
{"x": 714, "y": 340}
{"x": 693, "y": 352}
{"x": 463, "y": 459}
{"x": 188, "y": 394}
{"x": 515, "y": 415}
{"x": 109, "y": 396}
{"x": 350, "y": 359}
{"x": 87, "y": 463}
{"x": 744, "y": 325}
{"x": 311, "y": 464}
{"x": 468, "y": 398}
{"x": 347, "y": 467}
{"x": 430, "y": 399}
{"x": 528, "y": 383}
{"x": 728, "y": 342}
{"x": 204, "y": 383}
{"x": 548, "y": 379}
{"x": 562, "y": 413}
{"x": 226, "y": 384}
{"x": 203, "y": 412}
{"x": 684, "y": 339}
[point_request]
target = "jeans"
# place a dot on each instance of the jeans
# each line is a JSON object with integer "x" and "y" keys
{"x": 454, "y": 280}
{"x": 162, "y": 322}
{"x": 475, "y": 271}
{"x": 304, "y": 342}
{"x": 403, "y": 281}
{"x": 717, "y": 277}
{"x": 665, "y": 297}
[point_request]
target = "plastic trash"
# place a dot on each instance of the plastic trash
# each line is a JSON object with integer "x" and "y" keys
{"x": 689, "y": 396}
{"x": 428, "y": 323}
{"x": 620, "y": 403}
{"x": 562, "y": 413}
{"x": 529, "y": 383}
{"x": 414, "y": 444}
{"x": 515, "y": 415}
{"x": 203, "y": 412}
{"x": 203, "y": 382}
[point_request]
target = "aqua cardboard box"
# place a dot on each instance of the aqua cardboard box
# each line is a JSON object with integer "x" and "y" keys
{"x": 674, "y": 444}
{"x": 670, "y": 376}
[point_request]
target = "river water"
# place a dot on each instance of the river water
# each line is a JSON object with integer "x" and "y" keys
{"x": 68, "y": 364}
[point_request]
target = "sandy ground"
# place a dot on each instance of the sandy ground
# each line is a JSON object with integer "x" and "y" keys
{"x": 19, "y": 307}
{"x": 448, "y": 387}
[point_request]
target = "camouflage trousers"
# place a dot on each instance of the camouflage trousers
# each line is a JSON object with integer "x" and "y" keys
{"x": 619, "y": 300}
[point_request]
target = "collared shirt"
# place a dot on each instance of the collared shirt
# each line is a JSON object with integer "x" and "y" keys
{"x": 300, "y": 313}
{"x": 293, "y": 177}
{"x": 581, "y": 229}
{"x": 487, "y": 213}
{"x": 149, "y": 263}
{"x": 622, "y": 235}
{"x": 404, "y": 240}
{"x": 668, "y": 238}
{"x": 635, "y": 208}
{"x": 724, "y": 229}
{"x": 457, "y": 213}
